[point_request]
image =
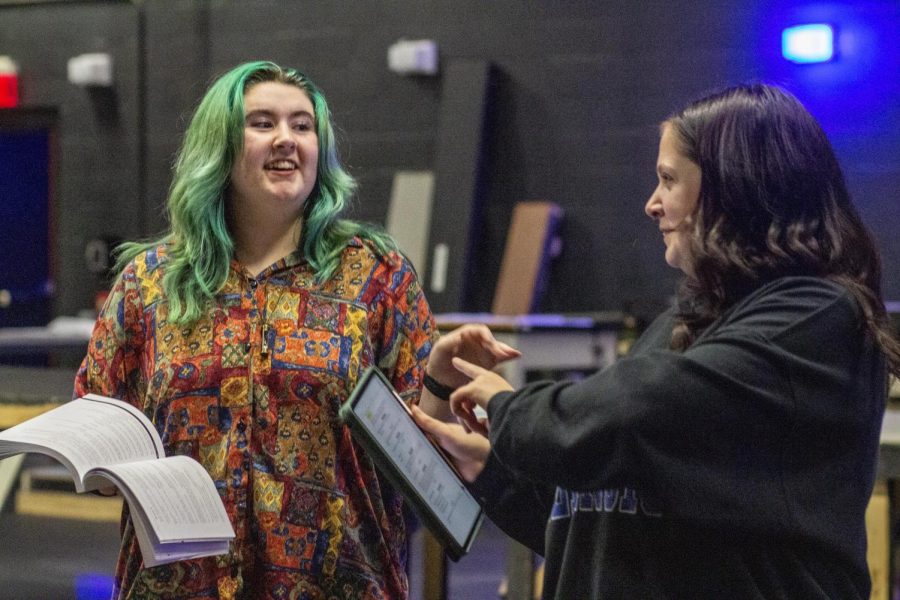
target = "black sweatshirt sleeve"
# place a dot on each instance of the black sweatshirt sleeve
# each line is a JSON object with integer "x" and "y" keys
{"x": 515, "y": 504}
{"x": 729, "y": 421}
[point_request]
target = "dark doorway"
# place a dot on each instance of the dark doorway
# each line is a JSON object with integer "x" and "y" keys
{"x": 27, "y": 173}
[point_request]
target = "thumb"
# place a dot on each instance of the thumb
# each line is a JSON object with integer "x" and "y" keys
{"x": 442, "y": 433}
{"x": 469, "y": 369}
{"x": 433, "y": 426}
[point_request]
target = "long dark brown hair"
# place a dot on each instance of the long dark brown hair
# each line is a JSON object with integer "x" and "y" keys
{"x": 773, "y": 203}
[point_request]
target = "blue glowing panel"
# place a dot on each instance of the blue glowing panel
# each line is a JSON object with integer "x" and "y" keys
{"x": 93, "y": 586}
{"x": 808, "y": 43}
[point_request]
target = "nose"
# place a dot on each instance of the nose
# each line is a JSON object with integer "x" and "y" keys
{"x": 653, "y": 208}
{"x": 283, "y": 136}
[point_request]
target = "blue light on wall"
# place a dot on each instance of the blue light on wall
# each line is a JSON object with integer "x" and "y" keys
{"x": 812, "y": 43}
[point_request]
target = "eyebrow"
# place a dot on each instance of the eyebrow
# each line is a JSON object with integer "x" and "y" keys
{"x": 271, "y": 113}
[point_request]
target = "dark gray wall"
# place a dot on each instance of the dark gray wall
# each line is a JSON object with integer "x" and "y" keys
{"x": 582, "y": 87}
{"x": 97, "y": 187}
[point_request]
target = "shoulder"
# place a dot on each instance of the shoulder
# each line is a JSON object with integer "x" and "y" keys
{"x": 155, "y": 259}
{"x": 657, "y": 335}
{"x": 142, "y": 276}
{"x": 815, "y": 290}
{"x": 791, "y": 304}
{"x": 148, "y": 262}
{"x": 365, "y": 271}
{"x": 389, "y": 261}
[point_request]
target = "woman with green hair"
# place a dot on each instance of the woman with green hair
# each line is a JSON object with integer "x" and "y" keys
{"x": 242, "y": 331}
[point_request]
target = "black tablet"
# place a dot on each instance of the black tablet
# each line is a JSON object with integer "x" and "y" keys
{"x": 382, "y": 424}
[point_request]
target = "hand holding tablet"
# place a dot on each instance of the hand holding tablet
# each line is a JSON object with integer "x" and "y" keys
{"x": 381, "y": 422}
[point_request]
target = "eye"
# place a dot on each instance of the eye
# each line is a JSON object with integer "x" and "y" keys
{"x": 303, "y": 125}
{"x": 260, "y": 123}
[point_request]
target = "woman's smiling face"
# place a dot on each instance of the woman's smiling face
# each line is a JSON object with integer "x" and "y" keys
{"x": 675, "y": 199}
{"x": 280, "y": 154}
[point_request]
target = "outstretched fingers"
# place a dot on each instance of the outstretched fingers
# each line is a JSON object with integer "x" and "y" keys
{"x": 483, "y": 385}
{"x": 471, "y": 370}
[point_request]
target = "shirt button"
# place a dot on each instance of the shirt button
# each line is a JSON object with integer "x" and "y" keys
{"x": 253, "y": 284}
{"x": 241, "y": 426}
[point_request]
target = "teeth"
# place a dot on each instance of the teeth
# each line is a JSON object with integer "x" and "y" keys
{"x": 281, "y": 164}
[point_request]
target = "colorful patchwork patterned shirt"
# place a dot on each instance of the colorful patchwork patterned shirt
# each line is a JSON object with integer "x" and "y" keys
{"x": 252, "y": 391}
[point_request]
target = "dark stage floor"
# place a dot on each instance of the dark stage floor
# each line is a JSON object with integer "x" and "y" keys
{"x": 43, "y": 558}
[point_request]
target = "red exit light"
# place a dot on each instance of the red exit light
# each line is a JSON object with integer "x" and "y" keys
{"x": 9, "y": 83}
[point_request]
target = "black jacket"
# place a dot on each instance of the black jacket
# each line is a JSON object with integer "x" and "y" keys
{"x": 739, "y": 468}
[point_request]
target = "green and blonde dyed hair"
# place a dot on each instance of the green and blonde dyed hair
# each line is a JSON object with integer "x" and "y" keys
{"x": 199, "y": 244}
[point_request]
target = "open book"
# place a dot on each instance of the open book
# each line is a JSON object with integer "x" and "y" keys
{"x": 174, "y": 505}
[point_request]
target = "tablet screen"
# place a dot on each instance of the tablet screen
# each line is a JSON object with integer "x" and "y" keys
{"x": 388, "y": 421}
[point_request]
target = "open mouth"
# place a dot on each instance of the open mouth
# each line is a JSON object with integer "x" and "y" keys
{"x": 281, "y": 165}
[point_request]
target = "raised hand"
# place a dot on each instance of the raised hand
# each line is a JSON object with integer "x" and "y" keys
{"x": 473, "y": 343}
{"x": 482, "y": 386}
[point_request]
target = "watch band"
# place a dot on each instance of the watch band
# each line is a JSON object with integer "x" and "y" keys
{"x": 437, "y": 388}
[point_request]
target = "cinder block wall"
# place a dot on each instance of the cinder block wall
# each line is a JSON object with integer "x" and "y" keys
{"x": 583, "y": 86}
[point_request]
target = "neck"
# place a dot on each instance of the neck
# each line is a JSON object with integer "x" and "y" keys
{"x": 260, "y": 240}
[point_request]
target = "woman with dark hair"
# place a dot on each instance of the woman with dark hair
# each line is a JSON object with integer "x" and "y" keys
{"x": 242, "y": 331}
{"x": 732, "y": 453}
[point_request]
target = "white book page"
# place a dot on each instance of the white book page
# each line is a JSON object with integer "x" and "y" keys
{"x": 88, "y": 432}
{"x": 155, "y": 553}
{"x": 160, "y": 555}
{"x": 176, "y": 496}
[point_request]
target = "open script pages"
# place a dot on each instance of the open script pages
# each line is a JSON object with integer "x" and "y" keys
{"x": 187, "y": 510}
{"x": 174, "y": 505}
{"x": 85, "y": 433}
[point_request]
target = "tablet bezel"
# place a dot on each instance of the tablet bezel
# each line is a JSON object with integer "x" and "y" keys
{"x": 396, "y": 476}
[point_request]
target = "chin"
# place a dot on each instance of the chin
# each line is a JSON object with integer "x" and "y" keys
{"x": 672, "y": 261}
{"x": 682, "y": 265}
{"x": 677, "y": 264}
